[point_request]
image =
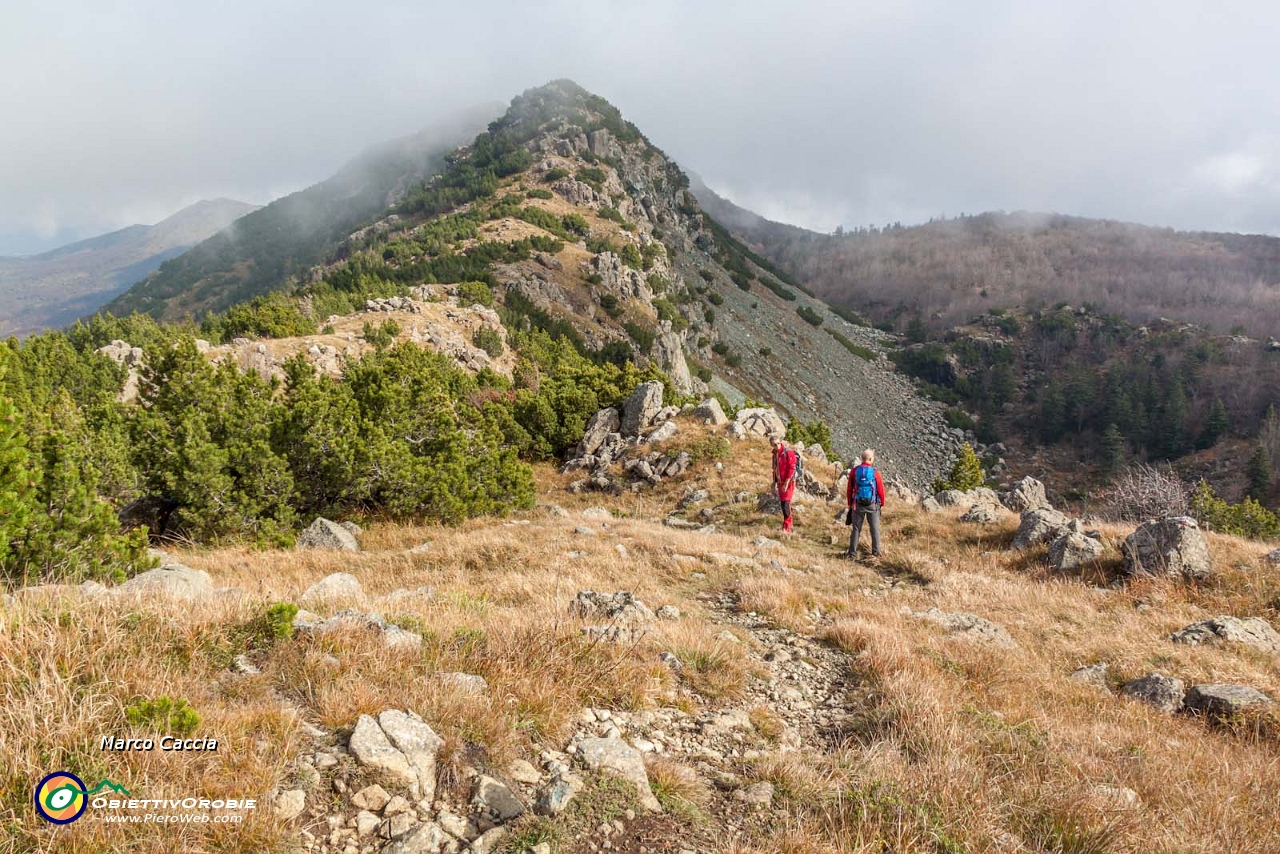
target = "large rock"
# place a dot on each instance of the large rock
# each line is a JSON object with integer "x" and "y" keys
{"x": 662, "y": 434}
{"x": 419, "y": 743}
{"x": 373, "y": 750}
{"x": 961, "y": 497}
{"x": 1223, "y": 702}
{"x": 1171, "y": 546}
{"x": 1273, "y": 557}
{"x": 1073, "y": 550}
{"x": 345, "y": 623}
{"x": 1026, "y": 494}
{"x": 669, "y": 353}
{"x": 337, "y": 587}
{"x": 603, "y": 423}
{"x": 640, "y": 408}
{"x": 710, "y": 412}
{"x": 423, "y": 839}
{"x": 1156, "y": 689}
{"x": 1040, "y": 526}
{"x": 614, "y": 756}
{"x": 173, "y": 581}
{"x": 494, "y": 801}
{"x": 761, "y": 422}
{"x": 326, "y": 534}
{"x": 1249, "y": 631}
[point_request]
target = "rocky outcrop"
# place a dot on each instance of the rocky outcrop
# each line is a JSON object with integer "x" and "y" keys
{"x": 172, "y": 580}
{"x": 620, "y": 607}
{"x": 981, "y": 514}
{"x": 1253, "y": 632}
{"x": 615, "y": 756}
{"x": 640, "y": 408}
{"x": 1172, "y": 546}
{"x": 967, "y": 497}
{"x": 603, "y": 423}
{"x": 968, "y": 626}
{"x": 338, "y": 587}
{"x": 761, "y": 422}
{"x": 668, "y": 351}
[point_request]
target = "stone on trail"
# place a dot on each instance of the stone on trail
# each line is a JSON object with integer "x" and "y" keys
{"x": 419, "y": 839}
{"x": 620, "y": 607}
{"x": 419, "y": 744}
{"x": 289, "y": 804}
{"x": 1156, "y": 689}
{"x": 373, "y": 750}
{"x": 337, "y": 587}
{"x": 614, "y": 756}
{"x": 326, "y": 534}
{"x": 1172, "y": 546}
{"x": 494, "y": 801}
{"x": 1248, "y": 631}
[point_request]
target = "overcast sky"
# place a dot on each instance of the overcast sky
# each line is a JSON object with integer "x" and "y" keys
{"x": 816, "y": 113}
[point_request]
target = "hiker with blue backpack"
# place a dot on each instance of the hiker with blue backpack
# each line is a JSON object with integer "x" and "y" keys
{"x": 866, "y": 500}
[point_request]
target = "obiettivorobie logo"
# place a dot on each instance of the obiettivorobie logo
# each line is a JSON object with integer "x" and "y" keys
{"x": 61, "y": 797}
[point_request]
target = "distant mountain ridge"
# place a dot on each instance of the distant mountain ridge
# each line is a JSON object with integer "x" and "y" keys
{"x": 271, "y": 246}
{"x": 53, "y": 288}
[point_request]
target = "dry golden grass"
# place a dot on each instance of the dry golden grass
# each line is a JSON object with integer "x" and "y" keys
{"x": 954, "y": 745}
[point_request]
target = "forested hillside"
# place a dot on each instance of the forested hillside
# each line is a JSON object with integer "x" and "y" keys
{"x": 949, "y": 270}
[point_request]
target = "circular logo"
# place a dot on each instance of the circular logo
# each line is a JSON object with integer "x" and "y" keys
{"x": 60, "y": 797}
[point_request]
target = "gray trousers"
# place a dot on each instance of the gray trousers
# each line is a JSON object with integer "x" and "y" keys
{"x": 872, "y": 516}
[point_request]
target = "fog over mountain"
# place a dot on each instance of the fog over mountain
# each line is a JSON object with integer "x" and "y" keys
{"x": 820, "y": 114}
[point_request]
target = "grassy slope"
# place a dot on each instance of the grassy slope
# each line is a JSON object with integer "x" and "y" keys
{"x": 951, "y": 745}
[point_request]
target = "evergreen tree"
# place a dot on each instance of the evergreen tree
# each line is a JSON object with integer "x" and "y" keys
{"x": 1051, "y": 412}
{"x": 1113, "y": 450}
{"x": 1259, "y": 474}
{"x": 1215, "y": 426}
{"x": 1269, "y": 434}
{"x": 15, "y": 481}
{"x": 1170, "y": 440}
{"x": 965, "y": 474}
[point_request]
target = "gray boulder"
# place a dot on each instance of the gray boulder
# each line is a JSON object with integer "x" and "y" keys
{"x": 662, "y": 434}
{"x": 710, "y": 412}
{"x": 326, "y": 534}
{"x": 420, "y": 745}
{"x": 173, "y": 580}
{"x": 929, "y": 505}
{"x": 614, "y": 756}
{"x": 603, "y": 423}
{"x": 1092, "y": 674}
{"x": 373, "y": 750}
{"x": 1224, "y": 702}
{"x": 494, "y": 801}
{"x": 1171, "y": 546}
{"x": 981, "y": 514}
{"x": 1156, "y": 689}
{"x": 1253, "y": 632}
{"x": 640, "y": 408}
{"x": 1273, "y": 557}
{"x": 1026, "y": 494}
{"x": 1072, "y": 550}
{"x": 337, "y": 587}
{"x": 1040, "y": 526}
{"x": 961, "y": 497}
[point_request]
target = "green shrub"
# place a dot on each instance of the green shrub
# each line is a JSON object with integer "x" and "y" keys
{"x": 965, "y": 474}
{"x": 539, "y": 193}
{"x": 856, "y": 349}
{"x": 766, "y": 352}
{"x": 164, "y": 714}
{"x": 715, "y": 299}
{"x": 707, "y": 448}
{"x": 720, "y": 348}
{"x": 641, "y": 335}
{"x": 702, "y": 372}
{"x": 489, "y": 340}
{"x": 612, "y": 214}
{"x": 593, "y": 176}
{"x": 271, "y": 316}
{"x": 630, "y": 256}
{"x": 809, "y": 316}
{"x": 381, "y": 336}
{"x": 733, "y": 360}
{"x": 1247, "y": 519}
{"x": 707, "y": 275}
{"x": 575, "y": 224}
{"x": 553, "y": 175}
{"x": 811, "y": 433}
{"x": 959, "y": 419}
{"x": 475, "y": 293}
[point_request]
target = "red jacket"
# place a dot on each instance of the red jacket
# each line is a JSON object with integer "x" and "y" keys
{"x": 853, "y": 485}
{"x": 784, "y": 472}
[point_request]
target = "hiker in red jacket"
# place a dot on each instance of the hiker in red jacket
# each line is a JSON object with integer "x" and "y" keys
{"x": 784, "y": 477}
{"x": 866, "y": 499}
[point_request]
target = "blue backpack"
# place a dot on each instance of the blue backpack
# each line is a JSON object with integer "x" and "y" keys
{"x": 864, "y": 478}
